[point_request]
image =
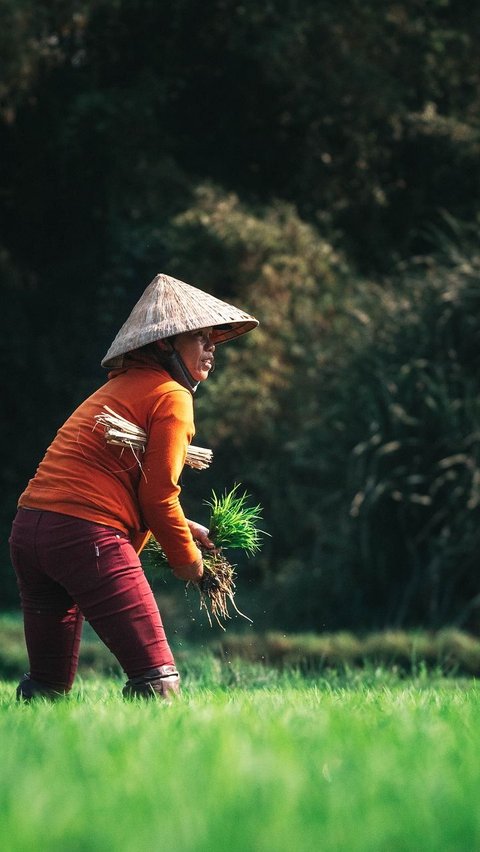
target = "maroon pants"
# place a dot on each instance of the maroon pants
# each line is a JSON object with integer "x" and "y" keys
{"x": 69, "y": 569}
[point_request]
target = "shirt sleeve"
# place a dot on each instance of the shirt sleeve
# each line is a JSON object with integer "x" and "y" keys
{"x": 170, "y": 431}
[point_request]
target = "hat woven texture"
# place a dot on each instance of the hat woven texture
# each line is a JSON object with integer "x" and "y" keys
{"x": 169, "y": 307}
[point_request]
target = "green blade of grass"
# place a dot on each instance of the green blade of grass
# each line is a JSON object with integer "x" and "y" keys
{"x": 233, "y": 523}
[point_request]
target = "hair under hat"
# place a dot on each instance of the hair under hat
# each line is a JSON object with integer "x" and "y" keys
{"x": 169, "y": 307}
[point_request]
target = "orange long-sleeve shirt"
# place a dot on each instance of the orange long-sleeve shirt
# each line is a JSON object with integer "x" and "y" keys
{"x": 84, "y": 476}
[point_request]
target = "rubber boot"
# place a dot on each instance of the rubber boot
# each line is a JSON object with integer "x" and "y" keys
{"x": 162, "y": 682}
{"x": 28, "y": 689}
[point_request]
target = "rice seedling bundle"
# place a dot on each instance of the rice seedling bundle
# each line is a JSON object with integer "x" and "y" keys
{"x": 233, "y": 525}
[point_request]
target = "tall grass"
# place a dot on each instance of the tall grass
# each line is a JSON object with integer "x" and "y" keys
{"x": 271, "y": 762}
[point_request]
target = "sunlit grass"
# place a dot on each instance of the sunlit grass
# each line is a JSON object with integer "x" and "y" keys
{"x": 265, "y": 762}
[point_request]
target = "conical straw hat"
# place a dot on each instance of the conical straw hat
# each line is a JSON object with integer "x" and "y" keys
{"x": 168, "y": 307}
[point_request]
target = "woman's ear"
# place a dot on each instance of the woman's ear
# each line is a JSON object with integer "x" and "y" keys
{"x": 164, "y": 345}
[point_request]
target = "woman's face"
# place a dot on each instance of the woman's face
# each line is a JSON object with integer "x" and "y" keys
{"x": 196, "y": 351}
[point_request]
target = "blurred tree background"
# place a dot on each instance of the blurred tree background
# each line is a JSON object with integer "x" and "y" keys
{"x": 317, "y": 163}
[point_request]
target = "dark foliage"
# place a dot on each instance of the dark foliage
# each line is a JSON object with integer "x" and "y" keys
{"x": 298, "y": 158}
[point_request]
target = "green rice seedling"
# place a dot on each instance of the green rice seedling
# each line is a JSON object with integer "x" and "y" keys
{"x": 232, "y": 525}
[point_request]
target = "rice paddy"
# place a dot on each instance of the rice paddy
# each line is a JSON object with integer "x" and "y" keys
{"x": 248, "y": 758}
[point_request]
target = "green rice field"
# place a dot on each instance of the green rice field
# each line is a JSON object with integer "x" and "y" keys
{"x": 268, "y": 762}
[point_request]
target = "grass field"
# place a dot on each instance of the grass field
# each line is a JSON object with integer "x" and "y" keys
{"x": 267, "y": 762}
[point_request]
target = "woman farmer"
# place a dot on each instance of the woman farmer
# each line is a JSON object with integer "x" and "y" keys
{"x": 85, "y": 515}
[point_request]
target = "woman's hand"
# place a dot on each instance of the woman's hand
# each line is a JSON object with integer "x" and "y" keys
{"x": 191, "y": 573}
{"x": 194, "y": 571}
{"x": 200, "y": 535}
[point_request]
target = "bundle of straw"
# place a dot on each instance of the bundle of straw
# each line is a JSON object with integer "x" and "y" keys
{"x": 233, "y": 525}
{"x": 120, "y": 431}
{"x": 198, "y": 457}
